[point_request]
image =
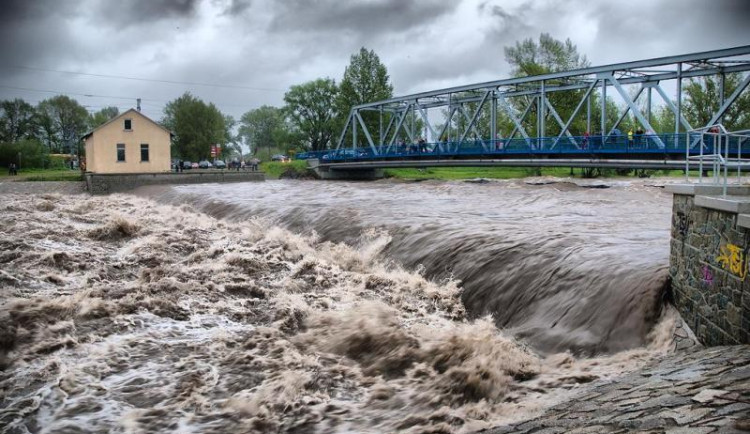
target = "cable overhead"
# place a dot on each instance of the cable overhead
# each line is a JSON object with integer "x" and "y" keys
{"x": 152, "y": 80}
{"x": 89, "y": 95}
{"x": 146, "y": 101}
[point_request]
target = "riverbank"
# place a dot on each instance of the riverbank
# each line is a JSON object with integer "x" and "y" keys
{"x": 41, "y": 187}
{"x": 118, "y": 312}
{"x": 297, "y": 169}
{"x": 699, "y": 391}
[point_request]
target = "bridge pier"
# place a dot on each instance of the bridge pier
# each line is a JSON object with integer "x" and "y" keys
{"x": 708, "y": 262}
{"x": 325, "y": 172}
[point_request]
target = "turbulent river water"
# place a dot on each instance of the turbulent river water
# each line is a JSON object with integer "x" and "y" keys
{"x": 564, "y": 266}
{"x": 293, "y": 306}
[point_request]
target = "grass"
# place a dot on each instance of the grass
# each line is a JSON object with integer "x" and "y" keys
{"x": 274, "y": 169}
{"x": 453, "y": 173}
{"x": 44, "y": 175}
{"x": 450, "y": 173}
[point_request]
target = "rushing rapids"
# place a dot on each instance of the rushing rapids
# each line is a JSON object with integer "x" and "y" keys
{"x": 323, "y": 307}
{"x": 564, "y": 266}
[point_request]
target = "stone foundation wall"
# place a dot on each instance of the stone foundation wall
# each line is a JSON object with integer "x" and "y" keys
{"x": 119, "y": 182}
{"x": 708, "y": 270}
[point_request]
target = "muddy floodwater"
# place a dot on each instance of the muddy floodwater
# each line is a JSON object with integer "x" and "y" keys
{"x": 292, "y": 306}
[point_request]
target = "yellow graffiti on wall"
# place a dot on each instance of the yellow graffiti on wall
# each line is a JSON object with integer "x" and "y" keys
{"x": 733, "y": 259}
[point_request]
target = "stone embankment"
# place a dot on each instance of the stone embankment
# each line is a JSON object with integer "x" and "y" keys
{"x": 42, "y": 187}
{"x": 694, "y": 391}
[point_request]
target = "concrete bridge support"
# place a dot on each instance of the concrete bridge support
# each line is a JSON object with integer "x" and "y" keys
{"x": 325, "y": 172}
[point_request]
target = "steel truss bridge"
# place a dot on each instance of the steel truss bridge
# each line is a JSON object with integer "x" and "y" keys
{"x": 384, "y": 133}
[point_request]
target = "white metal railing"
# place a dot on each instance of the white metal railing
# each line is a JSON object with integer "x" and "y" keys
{"x": 719, "y": 159}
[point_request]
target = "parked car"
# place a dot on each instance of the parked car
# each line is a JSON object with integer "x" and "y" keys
{"x": 279, "y": 157}
{"x": 220, "y": 164}
{"x": 187, "y": 165}
{"x": 205, "y": 164}
{"x": 194, "y": 166}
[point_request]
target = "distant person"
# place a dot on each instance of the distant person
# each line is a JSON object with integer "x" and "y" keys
{"x": 422, "y": 145}
{"x": 638, "y": 137}
{"x": 12, "y": 169}
{"x": 499, "y": 142}
{"x": 630, "y": 138}
{"x": 82, "y": 165}
{"x": 585, "y": 140}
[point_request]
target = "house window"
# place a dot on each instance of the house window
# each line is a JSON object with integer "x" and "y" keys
{"x": 128, "y": 124}
{"x": 120, "y": 152}
{"x": 144, "y": 152}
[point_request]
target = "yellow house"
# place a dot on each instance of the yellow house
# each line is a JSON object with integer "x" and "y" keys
{"x": 129, "y": 143}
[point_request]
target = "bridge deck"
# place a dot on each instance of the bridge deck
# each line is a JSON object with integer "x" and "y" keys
{"x": 643, "y": 152}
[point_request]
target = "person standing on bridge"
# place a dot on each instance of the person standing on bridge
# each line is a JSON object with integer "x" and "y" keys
{"x": 401, "y": 146}
{"x": 630, "y": 138}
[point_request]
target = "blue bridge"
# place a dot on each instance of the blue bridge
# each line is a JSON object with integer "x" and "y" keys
{"x": 515, "y": 121}
{"x": 655, "y": 151}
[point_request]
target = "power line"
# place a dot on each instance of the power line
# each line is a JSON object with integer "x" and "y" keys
{"x": 153, "y": 80}
{"x": 160, "y": 103}
{"x": 72, "y": 93}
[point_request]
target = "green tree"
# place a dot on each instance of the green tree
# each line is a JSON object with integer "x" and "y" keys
{"x": 26, "y": 153}
{"x": 549, "y": 55}
{"x": 103, "y": 116}
{"x": 195, "y": 125}
{"x": 311, "y": 108}
{"x": 702, "y": 100}
{"x": 232, "y": 148}
{"x": 262, "y": 127}
{"x": 365, "y": 80}
{"x": 17, "y": 120}
{"x": 64, "y": 121}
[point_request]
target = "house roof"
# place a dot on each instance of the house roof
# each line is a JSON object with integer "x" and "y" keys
{"x": 85, "y": 136}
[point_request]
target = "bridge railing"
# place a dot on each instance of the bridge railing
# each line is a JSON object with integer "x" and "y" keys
{"x": 669, "y": 145}
{"x": 717, "y": 150}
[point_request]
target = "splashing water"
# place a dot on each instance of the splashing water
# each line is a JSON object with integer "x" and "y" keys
{"x": 119, "y": 314}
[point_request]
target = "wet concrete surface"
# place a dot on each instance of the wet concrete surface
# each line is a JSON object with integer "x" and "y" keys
{"x": 698, "y": 390}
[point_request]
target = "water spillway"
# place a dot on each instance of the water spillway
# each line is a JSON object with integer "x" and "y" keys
{"x": 561, "y": 265}
{"x": 324, "y": 307}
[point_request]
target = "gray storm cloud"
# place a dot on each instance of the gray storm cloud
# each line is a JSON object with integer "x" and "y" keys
{"x": 273, "y": 45}
{"x": 374, "y": 17}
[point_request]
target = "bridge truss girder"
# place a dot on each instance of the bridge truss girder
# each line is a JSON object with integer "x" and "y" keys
{"x": 495, "y": 96}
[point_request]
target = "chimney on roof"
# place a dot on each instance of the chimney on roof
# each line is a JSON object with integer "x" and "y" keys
{"x": 138, "y": 107}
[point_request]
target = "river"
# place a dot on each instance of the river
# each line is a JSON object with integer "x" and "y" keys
{"x": 294, "y": 306}
{"x": 567, "y": 267}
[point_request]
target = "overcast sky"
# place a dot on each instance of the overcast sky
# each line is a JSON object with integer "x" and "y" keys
{"x": 256, "y": 49}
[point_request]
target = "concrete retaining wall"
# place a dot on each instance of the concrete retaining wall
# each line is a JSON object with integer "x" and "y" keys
{"x": 100, "y": 183}
{"x": 709, "y": 264}
{"x": 325, "y": 172}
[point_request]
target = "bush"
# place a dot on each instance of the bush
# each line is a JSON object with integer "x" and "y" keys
{"x": 59, "y": 161}
{"x": 32, "y": 154}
